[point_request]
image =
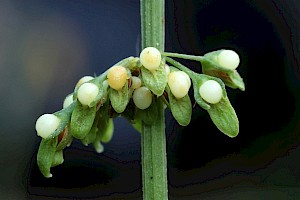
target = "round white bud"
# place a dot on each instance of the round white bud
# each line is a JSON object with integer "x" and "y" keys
{"x": 84, "y": 80}
{"x": 179, "y": 83}
{"x": 46, "y": 125}
{"x": 229, "y": 59}
{"x": 150, "y": 58}
{"x": 142, "y": 97}
{"x": 211, "y": 91}
{"x": 135, "y": 82}
{"x": 68, "y": 101}
{"x": 87, "y": 93}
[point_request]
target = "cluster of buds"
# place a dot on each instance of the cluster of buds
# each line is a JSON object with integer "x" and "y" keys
{"x": 131, "y": 88}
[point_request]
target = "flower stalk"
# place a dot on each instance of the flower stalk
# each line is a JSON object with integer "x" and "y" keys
{"x": 153, "y": 139}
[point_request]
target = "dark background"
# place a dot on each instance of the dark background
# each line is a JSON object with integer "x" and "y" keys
{"x": 46, "y": 46}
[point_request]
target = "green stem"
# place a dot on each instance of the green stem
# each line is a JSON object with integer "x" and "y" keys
{"x": 180, "y": 66}
{"x": 183, "y": 56}
{"x": 153, "y": 23}
{"x": 153, "y": 139}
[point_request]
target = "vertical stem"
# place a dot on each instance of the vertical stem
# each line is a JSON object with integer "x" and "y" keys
{"x": 153, "y": 140}
{"x": 153, "y": 23}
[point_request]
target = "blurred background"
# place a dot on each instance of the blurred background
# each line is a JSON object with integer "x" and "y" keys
{"x": 46, "y": 46}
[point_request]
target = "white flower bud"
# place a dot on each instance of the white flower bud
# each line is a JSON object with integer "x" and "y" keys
{"x": 84, "y": 80}
{"x": 142, "y": 97}
{"x": 87, "y": 93}
{"x": 229, "y": 59}
{"x": 46, "y": 125}
{"x": 68, "y": 101}
{"x": 117, "y": 76}
{"x": 211, "y": 91}
{"x": 167, "y": 69}
{"x": 150, "y": 58}
{"x": 179, "y": 83}
{"x": 135, "y": 82}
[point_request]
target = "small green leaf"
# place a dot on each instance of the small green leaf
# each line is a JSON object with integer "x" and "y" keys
{"x": 130, "y": 115}
{"x": 119, "y": 99}
{"x": 66, "y": 139}
{"x": 91, "y": 136}
{"x": 107, "y": 132}
{"x": 156, "y": 81}
{"x": 137, "y": 125}
{"x": 46, "y": 155}
{"x": 129, "y": 112}
{"x": 58, "y": 158}
{"x": 82, "y": 120}
{"x": 224, "y": 117}
{"x": 149, "y": 115}
{"x": 180, "y": 108}
{"x": 105, "y": 126}
{"x": 98, "y": 147}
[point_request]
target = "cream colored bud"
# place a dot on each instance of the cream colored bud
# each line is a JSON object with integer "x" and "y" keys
{"x": 84, "y": 80}
{"x": 150, "y": 58}
{"x": 87, "y": 93}
{"x": 68, "y": 101}
{"x": 135, "y": 82}
{"x": 211, "y": 91}
{"x": 46, "y": 125}
{"x": 142, "y": 97}
{"x": 229, "y": 59}
{"x": 179, "y": 83}
{"x": 117, "y": 76}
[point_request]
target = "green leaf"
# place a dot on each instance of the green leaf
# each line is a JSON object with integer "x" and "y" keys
{"x": 82, "y": 120}
{"x": 130, "y": 115}
{"x": 137, "y": 125}
{"x": 180, "y": 108}
{"x": 149, "y": 115}
{"x": 210, "y": 66}
{"x": 156, "y": 81}
{"x": 91, "y": 136}
{"x": 98, "y": 147}
{"x": 119, "y": 99}
{"x": 224, "y": 117}
{"x": 105, "y": 126}
{"x": 46, "y": 155}
{"x": 107, "y": 132}
{"x": 66, "y": 139}
{"x": 129, "y": 112}
{"x": 58, "y": 158}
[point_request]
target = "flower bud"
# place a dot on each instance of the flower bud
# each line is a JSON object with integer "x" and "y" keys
{"x": 222, "y": 64}
{"x": 179, "y": 83}
{"x": 46, "y": 125}
{"x": 150, "y": 58}
{"x": 228, "y": 59}
{"x": 87, "y": 93}
{"x": 136, "y": 82}
{"x": 84, "y": 80}
{"x": 117, "y": 76}
{"x": 211, "y": 91}
{"x": 68, "y": 101}
{"x": 142, "y": 97}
